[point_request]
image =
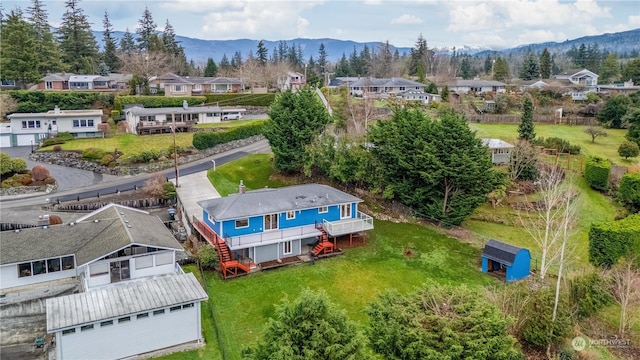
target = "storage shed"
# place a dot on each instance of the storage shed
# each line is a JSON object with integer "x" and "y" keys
{"x": 515, "y": 262}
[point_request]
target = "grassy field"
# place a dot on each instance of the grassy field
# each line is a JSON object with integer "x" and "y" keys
{"x": 603, "y": 146}
{"x": 253, "y": 170}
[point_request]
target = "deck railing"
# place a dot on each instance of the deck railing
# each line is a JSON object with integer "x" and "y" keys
{"x": 271, "y": 236}
{"x": 360, "y": 223}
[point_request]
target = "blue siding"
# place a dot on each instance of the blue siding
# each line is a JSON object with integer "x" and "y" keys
{"x": 215, "y": 227}
{"x": 255, "y": 226}
{"x": 521, "y": 266}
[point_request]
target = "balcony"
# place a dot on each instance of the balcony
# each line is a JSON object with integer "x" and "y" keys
{"x": 271, "y": 237}
{"x": 362, "y": 222}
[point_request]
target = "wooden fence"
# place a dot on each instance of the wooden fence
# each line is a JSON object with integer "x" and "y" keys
{"x": 545, "y": 119}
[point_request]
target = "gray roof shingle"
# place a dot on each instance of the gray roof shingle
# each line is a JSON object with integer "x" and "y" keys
{"x": 269, "y": 201}
{"x": 124, "y": 299}
{"x": 501, "y": 252}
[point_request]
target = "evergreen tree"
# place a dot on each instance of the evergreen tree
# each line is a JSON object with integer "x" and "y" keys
{"x": 296, "y": 120}
{"x": 283, "y": 50}
{"x": 236, "y": 60}
{"x": 444, "y": 94}
{"x": 16, "y": 50}
{"x": 594, "y": 58}
{"x": 545, "y": 64}
{"x": 613, "y": 111}
{"x": 225, "y": 65}
{"x": 580, "y": 58}
{"x": 169, "y": 42}
{"x": 146, "y": 28}
{"x": 127, "y": 43}
{"x": 310, "y": 327}
{"x": 631, "y": 71}
{"x": 365, "y": 60}
{"x": 465, "y": 69}
{"x": 356, "y": 67}
{"x": 342, "y": 67}
{"x": 109, "y": 56}
{"x": 211, "y": 69}
{"x": 530, "y": 68}
{"x": 432, "y": 88}
{"x": 420, "y": 59}
{"x": 77, "y": 43}
{"x": 488, "y": 65}
{"x": 526, "y": 129}
{"x": 501, "y": 70}
{"x": 322, "y": 59}
{"x": 262, "y": 53}
{"x": 610, "y": 69}
{"x": 47, "y": 53}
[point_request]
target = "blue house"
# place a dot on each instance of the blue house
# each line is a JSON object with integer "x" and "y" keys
{"x": 252, "y": 227}
{"x": 514, "y": 261}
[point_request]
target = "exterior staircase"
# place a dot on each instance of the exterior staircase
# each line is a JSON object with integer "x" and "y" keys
{"x": 228, "y": 266}
{"x": 324, "y": 246}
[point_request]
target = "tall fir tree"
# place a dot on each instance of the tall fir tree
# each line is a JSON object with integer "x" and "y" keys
{"x": 225, "y": 65}
{"x": 176, "y": 52}
{"x": 47, "y": 53}
{"x": 465, "y": 68}
{"x": 146, "y": 28}
{"x": 530, "y": 67}
{"x": 501, "y": 70}
{"x": 342, "y": 67}
{"x": 127, "y": 43}
{"x": 322, "y": 59}
{"x": 262, "y": 53}
{"x": 545, "y": 64}
{"x": 77, "y": 43}
{"x": 109, "y": 55}
{"x": 210, "y": 69}
{"x": 526, "y": 129}
{"x": 16, "y": 50}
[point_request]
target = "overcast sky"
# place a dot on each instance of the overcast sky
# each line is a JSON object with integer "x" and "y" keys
{"x": 496, "y": 24}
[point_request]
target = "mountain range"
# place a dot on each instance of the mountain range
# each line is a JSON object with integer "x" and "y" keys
{"x": 199, "y": 50}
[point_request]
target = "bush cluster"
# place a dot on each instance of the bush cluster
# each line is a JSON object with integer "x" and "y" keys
{"x": 589, "y": 294}
{"x": 155, "y": 101}
{"x": 205, "y": 140}
{"x": 115, "y": 115}
{"x": 93, "y": 154}
{"x": 43, "y": 101}
{"x": 609, "y": 241}
{"x": 241, "y": 99}
{"x": 629, "y": 192}
{"x": 561, "y": 145}
{"x": 53, "y": 141}
{"x": 597, "y": 171}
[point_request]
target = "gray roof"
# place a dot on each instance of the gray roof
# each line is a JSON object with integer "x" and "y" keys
{"x": 500, "y": 252}
{"x": 140, "y": 111}
{"x": 122, "y": 299}
{"x": 269, "y": 201}
{"x": 384, "y": 82}
{"x": 496, "y": 144}
{"x": 476, "y": 83}
{"x": 116, "y": 227}
{"x": 57, "y": 77}
{"x": 171, "y": 78}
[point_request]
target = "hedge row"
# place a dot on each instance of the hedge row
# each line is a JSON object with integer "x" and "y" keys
{"x": 561, "y": 145}
{"x": 205, "y": 140}
{"x": 629, "y": 192}
{"x": 610, "y": 241}
{"x": 156, "y": 101}
{"x": 241, "y": 99}
{"x": 43, "y": 101}
{"x": 597, "y": 172}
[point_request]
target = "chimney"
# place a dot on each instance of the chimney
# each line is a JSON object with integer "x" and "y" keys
{"x": 56, "y": 110}
{"x": 242, "y": 189}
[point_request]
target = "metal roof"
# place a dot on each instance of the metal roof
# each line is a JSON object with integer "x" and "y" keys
{"x": 140, "y": 111}
{"x": 122, "y": 299}
{"x": 83, "y": 78}
{"x": 496, "y": 144}
{"x": 268, "y": 201}
{"x": 53, "y": 114}
{"x": 93, "y": 236}
{"x": 384, "y": 82}
{"x": 500, "y": 252}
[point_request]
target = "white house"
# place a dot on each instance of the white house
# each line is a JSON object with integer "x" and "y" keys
{"x": 500, "y": 150}
{"x": 580, "y": 81}
{"x": 30, "y": 128}
{"x": 133, "y": 293}
{"x": 462, "y": 86}
{"x": 382, "y": 86}
{"x": 420, "y": 96}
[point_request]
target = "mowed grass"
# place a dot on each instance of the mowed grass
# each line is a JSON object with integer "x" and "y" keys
{"x": 352, "y": 281}
{"x": 603, "y": 146}
{"x": 254, "y": 171}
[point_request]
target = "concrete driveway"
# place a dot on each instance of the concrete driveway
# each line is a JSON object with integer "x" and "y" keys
{"x": 67, "y": 178}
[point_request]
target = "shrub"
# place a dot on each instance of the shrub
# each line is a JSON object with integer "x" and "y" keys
{"x": 65, "y": 136}
{"x": 242, "y": 99}
{"x": 49, "y": 181}
{"x": 54, "y": 141}
{"x": 40, "y": 173}
{"x": 93, "y": 154}
{"x": 561, "y": 145}
{"x": 589, "y": 294}
{"x": 57, "y": 148}
{"x": 106, "y": 159}
{"x": 609, "y": 241}
{"x": 18, "y": 165}
{"x": 207, "y": 256}
{"x": 205, "y": 140}
{"x": 629, "y": 192}
{"x": 104, "y": 128}
{"x": 538, "y": 329}
{"x": 26, "y": 179}
{"x": 115, "y": 115}
{"x": 169, "y": 190}
{"x": 628, "y": 149}
{"x": 597, "y": 172}
{"x": 43, "y": 101}
{"x": 5, "y": 163}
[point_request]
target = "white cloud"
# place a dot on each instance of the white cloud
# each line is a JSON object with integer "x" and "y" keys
{"x": 302, "y": 26}
{"x": 633, "y": 22}
{"x": 407, "y": 19}
{"x": 536, "y": 36}
{"x": 464, "y": 16}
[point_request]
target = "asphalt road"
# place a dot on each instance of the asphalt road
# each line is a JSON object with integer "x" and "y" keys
{"x": 114, "y": 183}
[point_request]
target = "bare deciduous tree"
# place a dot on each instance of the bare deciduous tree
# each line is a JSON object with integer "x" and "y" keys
{"x": 154, "y": 187}
{"x": 595, "y": 132}
{"x": 625, "y": 283}
{"x": 523, "y": 156}
{"x": 146, "y": 64}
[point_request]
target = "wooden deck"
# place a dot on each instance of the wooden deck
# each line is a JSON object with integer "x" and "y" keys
{"x": 229, "y": 267}
{"x": 163, "y": 127}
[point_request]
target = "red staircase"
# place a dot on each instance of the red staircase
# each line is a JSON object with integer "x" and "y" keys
{"x": 228, "y": 266}
{"x": 324, "y": 246}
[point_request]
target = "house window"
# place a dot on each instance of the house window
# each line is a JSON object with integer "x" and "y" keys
{"x": 197, "y": 87}
{"x": 175, "y": 308}
{"x": 67, "y": 263}
{"x": 242, "y": 223}
{"x": 24, "y": 269}
{"x": 164, "y": 258}
{"x": 211, "y": 219}
{"x": 86, "y": 327}
{"x": 99, "y": 269}
{"x": 178, "y": 88}
{"x": 158, "y": 312}
{"x": 345, "y": 211}
{"x": 48, "y": 85}
{"x": 270, "y": 222}
{"x": 106, "y": 323}
{"x": 144, "y": 262}
{"x": 68, "y": 331}
{"x": 323, "y": 209}
{"x": 90, "y": 123}
{"x": 187, "y": 305}
{"x": 286, "y": 247}
{"x": 291, "y": 215}
{"x": 124, "y": 319}
{"x": 53, "y": 265}
{"x": 39, "y": 267}
{"x": 142, "y": 316}
{"x": 31, "y": 124}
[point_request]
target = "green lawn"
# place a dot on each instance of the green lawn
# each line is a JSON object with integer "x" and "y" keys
{"x": 253, "y": 170}
{"x": 603, "y": 146}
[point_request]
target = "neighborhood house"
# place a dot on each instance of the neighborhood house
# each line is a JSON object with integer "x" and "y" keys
{"x": 175, "y": 85}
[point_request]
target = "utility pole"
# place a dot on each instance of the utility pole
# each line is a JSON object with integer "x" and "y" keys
{"x": 175, "y": 154}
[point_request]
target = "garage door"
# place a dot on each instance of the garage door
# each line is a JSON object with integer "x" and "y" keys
{"x": 25, "y": 140}
{"x": 5, "y": 140}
